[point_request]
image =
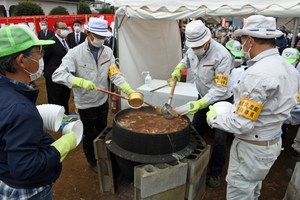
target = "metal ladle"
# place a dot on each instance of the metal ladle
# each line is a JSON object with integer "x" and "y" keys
{"x": 135, "y": 100}
{"x": 167, "y": 110}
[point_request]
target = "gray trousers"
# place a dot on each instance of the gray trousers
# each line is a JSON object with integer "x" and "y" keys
{"x": 248, "y": 166}
{"x": 296, "y": 144}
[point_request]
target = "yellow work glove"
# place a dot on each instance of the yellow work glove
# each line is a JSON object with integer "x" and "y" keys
{"x": 197, "y": 105}
{"x": 211, "y": 113}
{"x": 82, "y": 83}
{"x": 177, "y": 71}
{"x": 65, "y": 144}
{"x": 125, "y": 87}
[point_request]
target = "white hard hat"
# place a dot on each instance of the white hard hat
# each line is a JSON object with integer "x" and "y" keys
{"x": 260, "y": 27}
{"x": 98, "y": 26}
{"x": 196, "y": 34}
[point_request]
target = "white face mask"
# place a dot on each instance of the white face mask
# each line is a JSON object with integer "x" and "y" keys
{"x": 77, "y": 29}
{"x": 199, "y": 52}
{"x": 64, "y": 33}
{"x": 246, "y": 54}
{"x": 97, "y": 42}
{"x": 39, "y": 72}
{"x": 43, "y": 27}
{"x": 223, "y": 34}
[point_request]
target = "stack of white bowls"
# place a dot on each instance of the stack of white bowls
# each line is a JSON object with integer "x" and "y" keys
{"x": 52, "y": 116}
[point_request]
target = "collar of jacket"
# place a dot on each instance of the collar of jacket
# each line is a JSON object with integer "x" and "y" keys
{"x": 25, "y": 90}
{"x": 266, "y": 53}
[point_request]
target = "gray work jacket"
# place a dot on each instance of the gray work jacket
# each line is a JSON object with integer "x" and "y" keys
{"x": 217, "y": 60}
{"x": 79, "y": 62}
{"x": 271, "y": 82}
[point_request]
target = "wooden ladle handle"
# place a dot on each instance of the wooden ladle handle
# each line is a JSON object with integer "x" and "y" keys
{"x": 112, "y": 93}
{"x": 173, "y": 88}
{"x": 149, "y": 104}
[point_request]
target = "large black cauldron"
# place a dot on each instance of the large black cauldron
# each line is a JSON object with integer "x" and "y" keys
{"x": 133, "y": 148}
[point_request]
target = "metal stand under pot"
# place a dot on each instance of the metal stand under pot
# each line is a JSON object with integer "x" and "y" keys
{"x": 133, "y": 148}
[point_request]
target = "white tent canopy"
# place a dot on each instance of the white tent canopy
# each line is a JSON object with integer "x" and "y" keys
{"x": 148, "y": 32}
{"x": 179, "y": 9}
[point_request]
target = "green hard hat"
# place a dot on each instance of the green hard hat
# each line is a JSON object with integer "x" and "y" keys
{"x": 17, "y": 38}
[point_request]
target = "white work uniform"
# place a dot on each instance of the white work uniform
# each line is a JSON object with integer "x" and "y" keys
{"x": 235, "y": 76}
{"x": 217, "y": 60}
{"x": 295, "y": 120}
{"x": 79, "y": 62}
{"x": 273, "y": 83}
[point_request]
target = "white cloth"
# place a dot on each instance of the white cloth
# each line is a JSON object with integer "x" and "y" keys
{"x": 270, "y": 81}
{"x": 183, "y": 93}
{"x": 217, "y": 60}
{"x": 146, "y": 45}
{"x": 79, "y": 62}
{"x": 178, "y": 9}
{"x": 248, "y": 166}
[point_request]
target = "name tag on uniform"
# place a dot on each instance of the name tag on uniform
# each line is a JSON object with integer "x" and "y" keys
{"x": 249, "y": 109}
{"x": 104, "y": 56}
{"x": 221, "y": 80}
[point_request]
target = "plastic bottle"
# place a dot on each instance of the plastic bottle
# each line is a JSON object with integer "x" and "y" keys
{"x": 148, "y": 78}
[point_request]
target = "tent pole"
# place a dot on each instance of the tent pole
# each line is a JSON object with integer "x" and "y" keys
{"x": 116, "y": 35}
{"x": 296, "y": 24}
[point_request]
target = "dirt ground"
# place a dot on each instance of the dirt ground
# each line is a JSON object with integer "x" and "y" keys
{"x": 78, "y": 182}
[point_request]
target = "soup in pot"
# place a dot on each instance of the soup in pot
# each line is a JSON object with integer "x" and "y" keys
{"x": 148, "y": 121}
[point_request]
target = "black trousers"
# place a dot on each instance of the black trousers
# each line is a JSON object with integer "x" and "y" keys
{"x": 58, "y": 94}
{"x": 94, "y": 121}
{"x": 218, "y": 157}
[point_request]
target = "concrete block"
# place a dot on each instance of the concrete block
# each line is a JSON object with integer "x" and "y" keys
{"x": 105, "y": 175}
{"x": 196, "y": 176}
{"x": 99, "y": 145}
{"x": 104, "y": 164}
{"x": 196, "y": 190}
{"x": 153, "y": 179}
{"x": 171, "y": 194}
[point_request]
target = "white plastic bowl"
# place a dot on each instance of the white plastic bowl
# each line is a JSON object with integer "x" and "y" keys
{"x": 182, "y": 110}
{"x": 76, "y": 127}
{"x": 223, "y": 107}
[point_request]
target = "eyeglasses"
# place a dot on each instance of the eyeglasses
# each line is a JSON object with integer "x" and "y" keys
{"x": 41, "y": 52}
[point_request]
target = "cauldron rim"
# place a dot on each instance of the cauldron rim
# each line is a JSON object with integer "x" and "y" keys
{"x": 144, "y": 158}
